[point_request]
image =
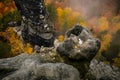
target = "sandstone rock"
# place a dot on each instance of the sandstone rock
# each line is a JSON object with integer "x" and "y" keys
{"x": 48, "y": 71}
{"x": 102, "y": 71}
{"x": 36, "y": 67}
{"x": 35, "y": 28}
{"x": 79, "y": 44}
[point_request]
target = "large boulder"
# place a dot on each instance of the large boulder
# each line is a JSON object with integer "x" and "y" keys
{"x": 35, "y": 67}
{"x": 48, "y": 71}
{"x": 102, "y": 71}
{"x": 79, "y": 48}
{"x": 79, "y": 44}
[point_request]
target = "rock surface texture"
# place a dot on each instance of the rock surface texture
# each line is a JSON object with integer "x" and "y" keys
{"x": 79, "y": 48}
{"x": 102, "y": 71}
{"x": 35, "y": 28}
{"x": 30, "y": 70}
{"x": 79, "y": 44}
{"x": 35, "y": 67}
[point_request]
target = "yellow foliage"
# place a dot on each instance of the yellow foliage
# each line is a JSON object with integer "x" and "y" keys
{"x": 59, "y": 14}
{"x": 116, "y": 27}
{"x": 47, "y": 1}
{"x": 103, "y": 23}
{"x": 67, "y": 11}
{"x": 17, "y": 45}
{"x": 83, "y": 23}
{"x": 28, "y": 49}
{"x": 116, "y": 62}
{"x": 67, "y": 18}
{"x": 106, "y": 39}
{"x": 75, "y": 14}
{"x": 61, "y": 38}
{"x": 115, "y": 24}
